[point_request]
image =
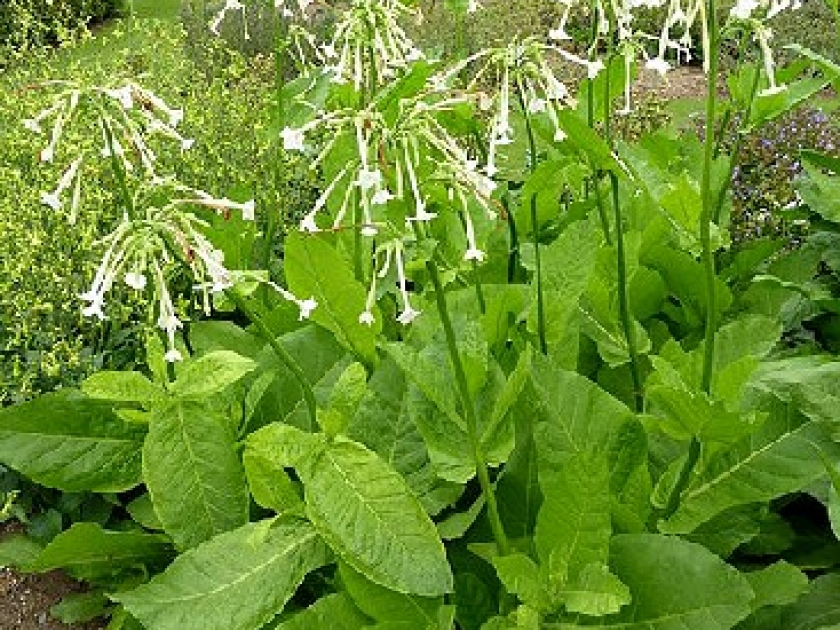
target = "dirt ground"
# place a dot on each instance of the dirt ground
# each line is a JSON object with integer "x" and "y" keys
{"x": 25, "y": 600}
{"x": 682, "y": 82}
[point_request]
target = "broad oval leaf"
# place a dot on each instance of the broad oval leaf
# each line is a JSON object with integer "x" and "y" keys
{"x": 121, "y": 387}
{"x": 781, "y": 457}
{"x": 675, "y": 585}
{"x": 193, "y": 473}
{"x": 87, "y": 551}
{"x": 237, "y": 581}
{"x": 67, "y": 441}
{"x": 314, "y": 268}
{"x": 367, "y": 513}
{"x": 210, "y": 374}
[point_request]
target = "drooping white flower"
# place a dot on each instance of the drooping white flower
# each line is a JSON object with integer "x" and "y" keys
{"x": 136, "y": 280}
{"x": 293, "y": 139}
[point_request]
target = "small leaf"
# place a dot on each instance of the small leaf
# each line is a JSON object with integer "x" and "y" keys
{"x": 210, "y": 374}
{"x": 87, "y": 551}
{"x": 596, "y": 592}
{"x": 239, "y": 580}
{"x": 80, "y": 607}
{"x": 777, "y": 585}
{"x": 521, "y": 577}
{"x": 121, "y": 387}
{"x": 18, "y": 551}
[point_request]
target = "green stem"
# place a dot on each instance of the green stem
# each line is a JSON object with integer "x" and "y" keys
{"x": 535, "y": 231}
{"x": 694, "y": 448}
{"x": 513, "y": 255}
{"x": 283, "y": 355}
{"x": 736, "y": 148}
{"x": 623, "y": 299}
{"x": 709, "y": 201}
{"x": 621, "y": 260}
{"x": 602, "y": 209}
{"x": 540, "y": 298}
{"x": 118, "y": 169}
{"x": 470, "y": 417}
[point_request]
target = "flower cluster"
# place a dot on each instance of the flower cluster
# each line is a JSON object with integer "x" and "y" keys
{"x": 399, "y": 170}
{"x": 521, "y": 71}
{"x": 369, "y": 47}
{"x": 126, "y": 116}
{"x": 143, "y": 250}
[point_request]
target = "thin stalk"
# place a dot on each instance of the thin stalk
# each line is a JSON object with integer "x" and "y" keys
{"x": 623, "y": 299}
{"x": 602, "y": 209}
{"x": 513, "y": 255}
{"x": 283, "y": 355}
{"x": 119, "y": 170}
{"x": 736, "y": 148}
{"x": 694, "y": 448}
{"x": 621, "y": 260}
{"x": 540, "y": 297}
{"x": 709, "y": 201}
{"x": 470, "y": 417}
{"x": 280, "y": 47}
{"x": 532, "y": 148}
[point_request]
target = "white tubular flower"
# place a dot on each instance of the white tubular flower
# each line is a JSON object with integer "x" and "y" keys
{"x": 658, "y": 65}
{"x": 473, "y": 252}
{"x": 369, "y": 178}
{"x": 305, "y": 306}
{"x": 53, "y": 199}
{"x": 136, "y": 280}
{"x": 293, "y": 139}
{"x": 409, "y": 313}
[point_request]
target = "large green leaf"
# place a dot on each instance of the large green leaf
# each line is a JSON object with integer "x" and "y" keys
{"x": 335, "y": 611}
{"x": 781, "y": 457}
{"x": 67, "y": 441}
{"x": 314, "y": 268}
{"x": 238, "y": 580}
{"x": 367, "y": 513}
{"x": 87, "y": 551}
{"x": 193, "y": 473}
{"x": 676, "y": 585}
{"x": 384, "y": 605}
{"x": 382, "y": 422}
{"x": 573, "y": 524}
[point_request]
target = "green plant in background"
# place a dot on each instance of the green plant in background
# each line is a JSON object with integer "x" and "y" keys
{"x": 536, "y": 388}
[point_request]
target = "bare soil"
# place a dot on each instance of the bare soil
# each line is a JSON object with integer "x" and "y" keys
{"x": 681, "y": 82}
{"x": 26, "y": 599}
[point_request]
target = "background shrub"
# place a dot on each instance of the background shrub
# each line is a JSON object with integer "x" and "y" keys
{"x": 28, "y": 24}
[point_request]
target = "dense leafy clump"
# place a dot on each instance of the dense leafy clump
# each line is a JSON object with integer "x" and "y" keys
{"x": 422, "y": 343}
{"x": 31, "y": 24}
{"x": 765, "y": 200}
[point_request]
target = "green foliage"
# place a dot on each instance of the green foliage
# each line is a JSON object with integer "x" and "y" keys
{"x": 563, "y": 401}
{"x": 29, "y": 24}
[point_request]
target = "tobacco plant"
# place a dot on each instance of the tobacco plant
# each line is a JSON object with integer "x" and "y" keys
{"x": 512, "y": 375}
